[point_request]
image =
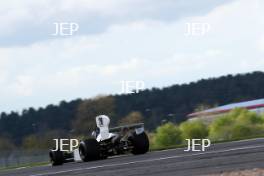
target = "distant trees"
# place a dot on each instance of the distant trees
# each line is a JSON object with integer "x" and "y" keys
{"x": 202, "y": 107}
{"x": 6, "y": 147}
{"x": 183, "y": 99}
{"x": 133, "y": 117}
{"x": 171, "y": 134}
{"x": 6, "y": 144}
{"x": 167, "y": 135}
{"x": 32, "y": 142}
{"x": 43, "y": 140}
{"x": 9, "y": 124}
{"x": 84, "y": 121}
{"x": 31, "y": 121}
{"x": 194, "y": 130}
{"x": 154, "y": 104}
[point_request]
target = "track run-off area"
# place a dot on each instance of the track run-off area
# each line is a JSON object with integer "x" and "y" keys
{"x": 229, "y": 156}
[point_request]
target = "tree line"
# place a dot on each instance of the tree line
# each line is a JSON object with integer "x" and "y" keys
{"x": 153, "y": 106}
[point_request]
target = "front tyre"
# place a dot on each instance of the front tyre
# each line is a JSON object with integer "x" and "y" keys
{"x": 140, "y": 143}
{"x": 89, "y": 150}
{"x": 56, "y": 157}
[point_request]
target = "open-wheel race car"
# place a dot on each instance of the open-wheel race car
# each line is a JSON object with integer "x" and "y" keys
{"x": 105, "y": 142}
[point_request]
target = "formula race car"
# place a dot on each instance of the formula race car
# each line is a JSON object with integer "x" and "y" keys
{"x": 105, "y": 142}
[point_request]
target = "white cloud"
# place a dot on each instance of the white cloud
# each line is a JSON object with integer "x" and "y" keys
{"x": 261, "y": 43}
{"x": 30, "y": 21}
{"x": 154, "y": 51}
{"x": 23, "y": 86}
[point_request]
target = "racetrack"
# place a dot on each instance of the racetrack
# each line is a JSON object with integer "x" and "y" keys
{"x": 219, "y": 157}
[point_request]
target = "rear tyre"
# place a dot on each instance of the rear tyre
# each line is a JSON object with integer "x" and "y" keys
{"x": 140, "y": 143}
{"x": 89, "y": 150}
{"x": 56, "y": 157}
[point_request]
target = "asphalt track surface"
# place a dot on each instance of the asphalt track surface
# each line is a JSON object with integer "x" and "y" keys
{"x": 176, "y": 162}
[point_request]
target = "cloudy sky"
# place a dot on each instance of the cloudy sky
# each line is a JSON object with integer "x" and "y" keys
{"x": 117, "y": 40}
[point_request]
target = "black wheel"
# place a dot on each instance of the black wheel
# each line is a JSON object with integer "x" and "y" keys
{"x": 140, "y": 143}
{"x": 56, "y": 158}
{"x": 89, "y": 150}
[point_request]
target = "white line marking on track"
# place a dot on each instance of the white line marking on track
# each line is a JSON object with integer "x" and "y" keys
{"x": 19, "y": 168}
{"x": 147, "y": 160}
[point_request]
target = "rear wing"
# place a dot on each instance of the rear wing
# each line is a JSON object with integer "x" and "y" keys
{"x": 137, "y": 127}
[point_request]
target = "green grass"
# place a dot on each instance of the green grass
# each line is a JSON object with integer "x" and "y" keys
{"x": 154, "y": 148}
{"x": 23, "y": 165}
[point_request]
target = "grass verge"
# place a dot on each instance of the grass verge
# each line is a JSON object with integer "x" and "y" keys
{"x": 23, "y": 166}
{"x": 152, "y": 148}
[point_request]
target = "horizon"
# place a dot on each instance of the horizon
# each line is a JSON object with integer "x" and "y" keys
{"x": 94, "y": 97}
